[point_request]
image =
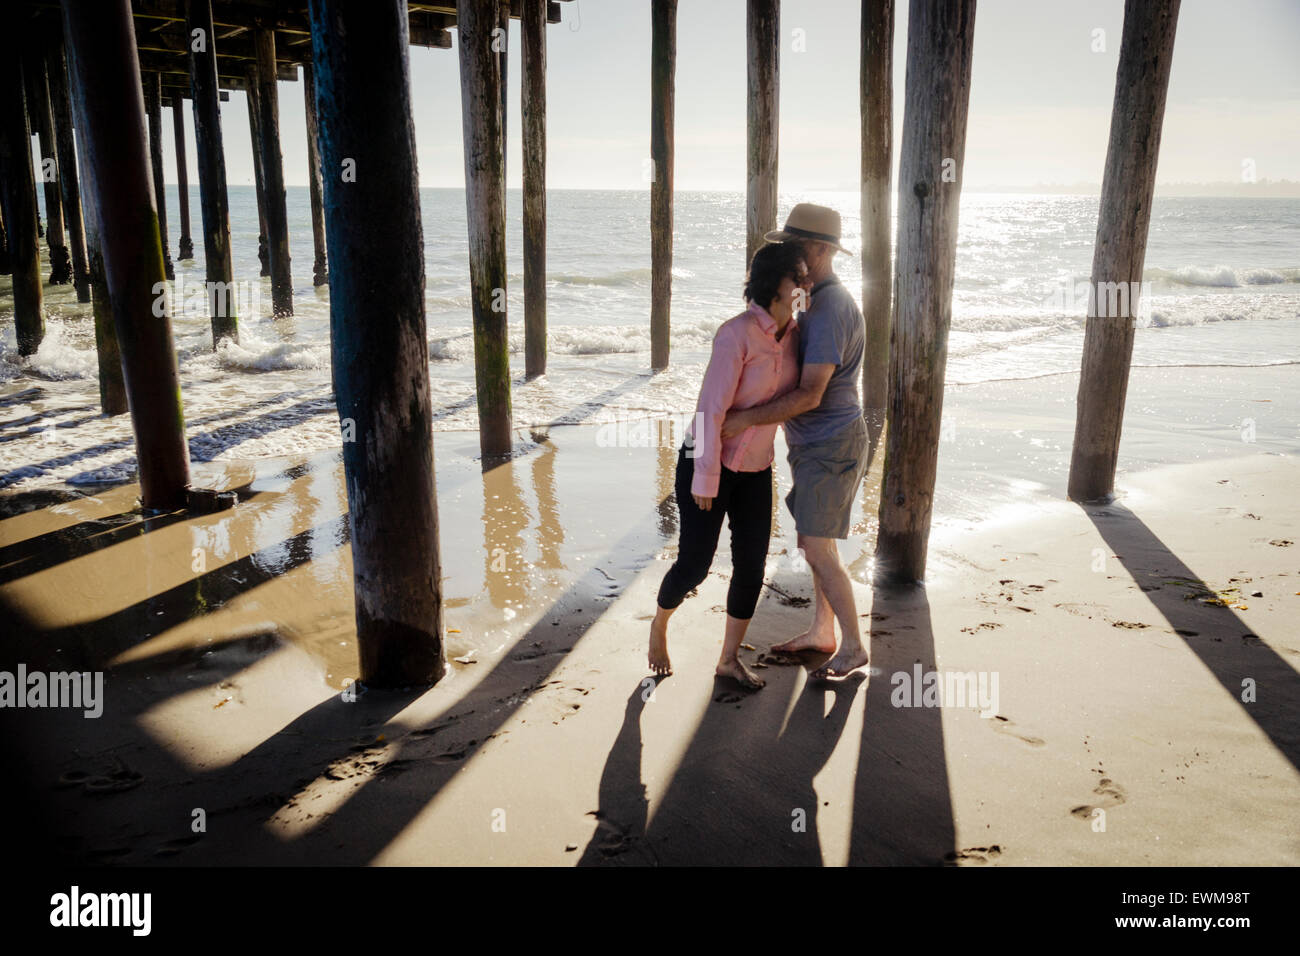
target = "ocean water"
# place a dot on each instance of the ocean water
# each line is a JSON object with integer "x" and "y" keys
{"x": 1222, "y": 287}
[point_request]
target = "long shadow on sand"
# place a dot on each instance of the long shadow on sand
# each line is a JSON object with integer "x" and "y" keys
{"x": 1222, "y": 641}
{"x": 624, "y": 804}
{"x": 743, "y": 792}
{"x": 902, "y": 805}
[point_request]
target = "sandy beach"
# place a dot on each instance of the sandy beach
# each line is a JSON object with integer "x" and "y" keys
{"x": 1138, "y": 663}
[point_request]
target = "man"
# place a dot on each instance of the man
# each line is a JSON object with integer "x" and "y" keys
{"x": 826, "y": 435}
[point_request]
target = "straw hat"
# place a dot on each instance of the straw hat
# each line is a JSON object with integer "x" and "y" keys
{"x": 810, "y": 221}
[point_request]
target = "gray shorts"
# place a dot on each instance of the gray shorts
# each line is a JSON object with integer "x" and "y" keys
{"x": 827, "y": 475}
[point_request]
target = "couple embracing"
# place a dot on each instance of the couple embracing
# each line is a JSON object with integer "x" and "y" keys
{"x": 793, "y": 357}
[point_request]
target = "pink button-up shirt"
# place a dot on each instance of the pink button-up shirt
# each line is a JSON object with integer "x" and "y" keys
{"x": 748, "y": 367}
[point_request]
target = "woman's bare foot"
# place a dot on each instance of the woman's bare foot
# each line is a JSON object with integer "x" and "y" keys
{"x": 850, "y": 658}
{"x": 735, "y": 669}
{"x": 821, "y": 642}
{"x": 658, "y": 657}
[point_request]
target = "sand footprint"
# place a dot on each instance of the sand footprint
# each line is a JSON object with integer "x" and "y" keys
{"x": 1003, "y": 725}
{"x": 1111, "y": 794}
{"x": 973, "y": 856}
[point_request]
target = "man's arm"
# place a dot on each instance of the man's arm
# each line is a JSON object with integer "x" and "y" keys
{"x": 805, "y": 396}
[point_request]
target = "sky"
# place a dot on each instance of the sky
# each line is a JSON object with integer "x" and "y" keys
{"x": 1039, "y": 108}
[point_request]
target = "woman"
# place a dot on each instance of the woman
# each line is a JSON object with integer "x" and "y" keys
{"x": 755, "y": 359}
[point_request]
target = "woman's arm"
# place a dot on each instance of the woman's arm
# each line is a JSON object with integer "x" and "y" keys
{"x": 717, "y": 392}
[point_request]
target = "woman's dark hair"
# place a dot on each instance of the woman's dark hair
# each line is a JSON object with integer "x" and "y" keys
{"x": 770, "y": 265}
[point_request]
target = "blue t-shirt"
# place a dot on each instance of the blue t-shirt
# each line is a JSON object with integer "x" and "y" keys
{"x": 831, "y": 331}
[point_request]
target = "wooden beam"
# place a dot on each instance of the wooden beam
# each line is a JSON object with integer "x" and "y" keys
{"x": 378, "y": 337}
{"x": 876, "y": 96}
{"x": 233, "y": 74}
{"x": 431, "y": 38}
{"x": 1127, "y": 186}
{"x": 230, "y": 15}
{"x": 663, "y": 81}
{"x": 485, "y": 199}
{"x": 210, "y": 150}
{"x": 236, "y": 51}
{"x": 106, "y": 83}
{"x": 277, "y": 216}
{"x": 763, "y": 33}
{"x": 533, "y": 112}
{"x": 19, "y": 185}
{"x": 940, "y": 35}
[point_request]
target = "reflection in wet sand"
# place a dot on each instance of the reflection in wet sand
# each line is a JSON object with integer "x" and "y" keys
{"x": 111, "y": 586}
{"x": 505, "y": 563}
{"x": 550, "y": 532}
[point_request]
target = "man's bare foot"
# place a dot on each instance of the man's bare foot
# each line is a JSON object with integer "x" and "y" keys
{"x": 658, "y": 657}
{"x": 808, "y": 641}
{"x": 735, "y": 669}
{"x": 842, "y": 664}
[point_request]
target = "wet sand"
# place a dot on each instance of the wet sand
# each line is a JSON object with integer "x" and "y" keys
{"x": 1119, "y": 636}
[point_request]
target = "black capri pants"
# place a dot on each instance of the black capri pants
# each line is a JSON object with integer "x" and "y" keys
{"x": 745, "y": 498}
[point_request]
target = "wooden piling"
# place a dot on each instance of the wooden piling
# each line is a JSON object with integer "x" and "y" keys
{"x": 259, "y": 171}
{"x": 38, "y": 107}
{"x": 320, "y": 268}
{"x": 186, "y": 248}
{"x": 663, "y": 82}
{"x": 503, "y": 63}
{"x": 106, "y": 85}
{"x": 763, "y": 32}
{"x": 112, "y": 387}
{"x": 153, "y": 107}
{"x": 1141, "y": 82}
{"x": 69, "y": 181}
{"x": 210, "y": 151}
{"x": 876, "y": 95}
{"x": 377, "y": 322}
{"x": 533, "y": 111}
{"x": 277, "y": 216}
{"x": 485, "y": 200}
{"x": 19, "y": 185}
{"x": 940, "y": 36}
